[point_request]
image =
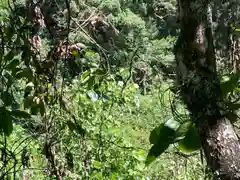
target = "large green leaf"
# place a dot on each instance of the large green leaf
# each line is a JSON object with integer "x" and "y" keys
{"x": 155, "y": 134}
{"x": 191, "y": 142}
{"x": 20, "y": 114}
{"x": 161, "y": 137}
{"x": 182, "y": 130}
{"x": 84, "y": 75}
{"x": 156, "y": 150}
{"x": 164, "y": 131}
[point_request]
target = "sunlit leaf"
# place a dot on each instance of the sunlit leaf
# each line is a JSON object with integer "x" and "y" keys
{"x": 74, "y": 52}
{"x": 172, "y": 123}
{"x": 114, "y": 130}
{"x": 164, "y": 131}
{"x": 96, "y": 164}
{"x": 84, "y": 75}
{"x": 92, "y": 95}
{"x": 139, "y": 155}
{"x": 89, "y": 53}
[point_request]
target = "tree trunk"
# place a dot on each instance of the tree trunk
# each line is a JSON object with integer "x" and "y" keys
{"x": 199, "y": 87}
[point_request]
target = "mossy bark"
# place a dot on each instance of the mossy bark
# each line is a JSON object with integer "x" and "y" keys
{"x": 199, "y": 87}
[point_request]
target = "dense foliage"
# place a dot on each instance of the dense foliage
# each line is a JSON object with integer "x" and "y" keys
{"x": 87, "y": 89}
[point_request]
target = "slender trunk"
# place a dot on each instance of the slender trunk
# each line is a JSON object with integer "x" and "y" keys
{"x": 200, "y": 88}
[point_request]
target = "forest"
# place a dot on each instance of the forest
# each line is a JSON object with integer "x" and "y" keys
{"x": 119, "y": 90}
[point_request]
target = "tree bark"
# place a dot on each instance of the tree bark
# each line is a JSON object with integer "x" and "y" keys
{"x": 200, "y": 91}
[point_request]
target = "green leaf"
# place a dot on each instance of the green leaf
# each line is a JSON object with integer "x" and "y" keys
{"x": 164, "y": 131}
{"x": 84, "y": 75}
{"x": 6, "y": 123}
{"x": 76, "y": 127}
{"x": 139, "y": 155}
{"x": 34, "y": 109}
{"x": 191, "y": 142}
{"x": 27, "y": 73}
{"x": 28, "y": 102}
{"x": 9, "y": 78}
{"x": 172, "y": 123}
{"x": 155, "y": 133}
{"x": 71, "y": 125}
{"x": 92, "y": 95}
{"x": 156, "y": 150}
{"x": 13, "y": 64}
{"x": 182, "y": 130}
{"x": 74, "y": 52}
{"x": 229, "y": 85}
{"x": 91, "y": 82}
{"x": 9, "y": 56}
{"x": 233, "y": 106}
{"x": 90, "y": 53}
{"x": 161, "y": 137}
{"x": 20, "y": 114}
{"x": 97, "y": 175}
{"x": 7, "y": 98}
{"x": 232, "y": 117}
{"x": 124, "y": 73}
{"x": 96, "y": 164}
{"x": 99, "y": 72}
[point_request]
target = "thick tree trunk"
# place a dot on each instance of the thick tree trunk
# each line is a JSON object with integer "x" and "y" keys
{"x": 200, "y": 88}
